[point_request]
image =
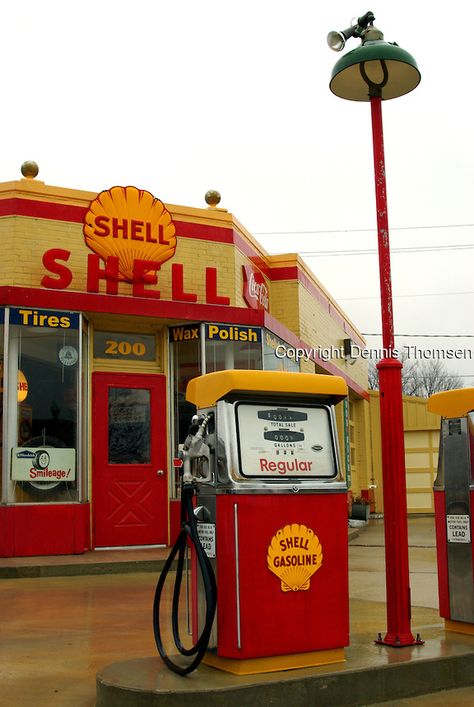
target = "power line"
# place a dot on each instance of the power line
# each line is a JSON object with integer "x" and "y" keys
{"x": 373, "y": 251}
{"x": 429, "y": 336}
{"x": 420, "y": 294}
{"x": 361, "y": 230}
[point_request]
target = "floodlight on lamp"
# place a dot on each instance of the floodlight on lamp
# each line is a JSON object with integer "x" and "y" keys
{"x": 374, "y": 68}
{"x": 337, "y": 40}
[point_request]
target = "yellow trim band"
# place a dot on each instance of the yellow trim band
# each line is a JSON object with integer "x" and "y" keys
{"x": 459, "y": 627}
{"x": 273, "y": 664}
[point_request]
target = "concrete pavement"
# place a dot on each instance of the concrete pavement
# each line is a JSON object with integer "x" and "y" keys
{"x": 57, "y": 633}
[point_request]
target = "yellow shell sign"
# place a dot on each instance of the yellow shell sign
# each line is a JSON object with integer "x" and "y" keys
{"x": 294, "y": 555}
{"x": 130, "y": 224}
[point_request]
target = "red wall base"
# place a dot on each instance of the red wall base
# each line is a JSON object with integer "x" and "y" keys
{"x": 26, "y": 531}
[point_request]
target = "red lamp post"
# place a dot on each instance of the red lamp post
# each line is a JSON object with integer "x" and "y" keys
{"x": 376, "y": 71}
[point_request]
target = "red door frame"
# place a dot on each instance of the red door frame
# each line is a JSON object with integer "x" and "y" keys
{"x": 129, "y": 501}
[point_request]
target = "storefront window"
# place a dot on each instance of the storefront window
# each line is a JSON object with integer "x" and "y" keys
{"x": 232, "y": 347}
{"x": 44, "y": 356}
{"x": 277, "y": 354}
{"x": 224, "y": 347}
{"x": 186, "y": 364}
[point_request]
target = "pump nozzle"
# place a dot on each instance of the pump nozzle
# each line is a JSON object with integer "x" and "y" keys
{"x": 194, "y": 446}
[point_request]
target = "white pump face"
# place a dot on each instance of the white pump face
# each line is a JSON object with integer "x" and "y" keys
{"x": 269, "y": 431}
{"x": 260, "y": 446}
{"x": 285, "y": 441}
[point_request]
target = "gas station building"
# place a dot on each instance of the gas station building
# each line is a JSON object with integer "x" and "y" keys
{"x": 110, "y": 304}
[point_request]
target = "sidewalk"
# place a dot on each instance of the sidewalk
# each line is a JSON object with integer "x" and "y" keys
{"x": 58, "y": 632}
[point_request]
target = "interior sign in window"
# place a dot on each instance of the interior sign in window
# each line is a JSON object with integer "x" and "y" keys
{"x": 117, "y": 345}
{"x": 278, "y": 441}
{"x": 43, "y": 464}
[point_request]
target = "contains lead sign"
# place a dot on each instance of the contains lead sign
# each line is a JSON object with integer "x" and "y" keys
{"x": 458, "y": 529}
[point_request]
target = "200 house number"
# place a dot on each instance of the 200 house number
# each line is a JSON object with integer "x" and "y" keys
{"x": 124, "y": 348}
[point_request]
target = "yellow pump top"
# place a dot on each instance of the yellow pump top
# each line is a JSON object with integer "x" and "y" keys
{"x": 206, "y": 390}
{"x": 452, "y": 403}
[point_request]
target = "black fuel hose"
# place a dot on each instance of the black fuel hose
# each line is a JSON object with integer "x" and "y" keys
{"x": 188, "y": 531}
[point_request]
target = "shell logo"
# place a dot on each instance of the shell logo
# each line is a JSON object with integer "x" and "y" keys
{"x": 130, "y": 224}
{"x": 22, "y": 384}
{"x": 294, "y": 555}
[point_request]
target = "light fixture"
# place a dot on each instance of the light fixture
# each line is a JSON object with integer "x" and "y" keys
{"x": 373, "y": 72}
{"x": 375, "y": 68}
{"x": 347, "y": 347}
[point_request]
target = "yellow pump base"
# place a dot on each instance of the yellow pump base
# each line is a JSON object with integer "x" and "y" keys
{"x": 459, "y": 627}
{"x": 273, "y": 664}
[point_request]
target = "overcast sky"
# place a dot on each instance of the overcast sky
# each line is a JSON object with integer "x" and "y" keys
{"x": 180, "y": 96}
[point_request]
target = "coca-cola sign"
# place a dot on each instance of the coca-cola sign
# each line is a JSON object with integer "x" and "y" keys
{"x": 255, "y": 291}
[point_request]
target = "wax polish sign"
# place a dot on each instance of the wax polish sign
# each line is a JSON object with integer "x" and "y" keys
{"x": 255, "y": 290}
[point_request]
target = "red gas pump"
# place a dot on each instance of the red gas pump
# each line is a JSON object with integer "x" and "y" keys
{"x": 272, "y": 517}
{"x": 454, "y": 504}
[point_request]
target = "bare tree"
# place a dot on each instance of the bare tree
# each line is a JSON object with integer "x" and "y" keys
{"x": 420, "y": 377}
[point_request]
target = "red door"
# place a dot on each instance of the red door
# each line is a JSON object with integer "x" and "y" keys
{"x": 129, "y": 459}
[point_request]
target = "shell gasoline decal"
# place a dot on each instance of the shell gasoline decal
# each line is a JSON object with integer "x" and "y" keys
{"x": 294, "y": 555}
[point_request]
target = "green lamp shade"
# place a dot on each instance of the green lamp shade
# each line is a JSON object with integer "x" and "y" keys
{"x": 348, "y": 82}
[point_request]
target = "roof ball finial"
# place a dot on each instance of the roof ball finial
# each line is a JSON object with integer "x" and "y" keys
{"x": 212, "y": 198}
{"x": 29, "y": 169}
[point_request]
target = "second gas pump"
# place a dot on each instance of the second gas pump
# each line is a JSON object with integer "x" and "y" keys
{"x": 271, "y": 513}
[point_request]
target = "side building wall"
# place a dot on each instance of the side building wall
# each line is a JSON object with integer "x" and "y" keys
{"x": 421, "y": 453}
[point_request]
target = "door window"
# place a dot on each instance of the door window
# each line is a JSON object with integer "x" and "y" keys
{"x": 129, "y": 426}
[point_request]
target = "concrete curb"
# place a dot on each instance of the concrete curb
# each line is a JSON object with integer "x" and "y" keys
{"x": 146, "y": 683}
{"x": 76, "y": 569}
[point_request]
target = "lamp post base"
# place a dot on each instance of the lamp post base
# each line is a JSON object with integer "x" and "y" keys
{"x": 399, "y": 641}
{"x": 395, "y": 506}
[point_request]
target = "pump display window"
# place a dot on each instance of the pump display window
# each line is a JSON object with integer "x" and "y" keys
{"x": 44, "y": 373}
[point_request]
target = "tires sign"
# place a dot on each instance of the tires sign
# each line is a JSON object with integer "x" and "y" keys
{"x": 43, "y": 464}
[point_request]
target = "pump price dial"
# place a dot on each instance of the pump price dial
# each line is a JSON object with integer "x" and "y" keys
{"x": 283, "y": 435}
{"x": 282, "y": 415}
